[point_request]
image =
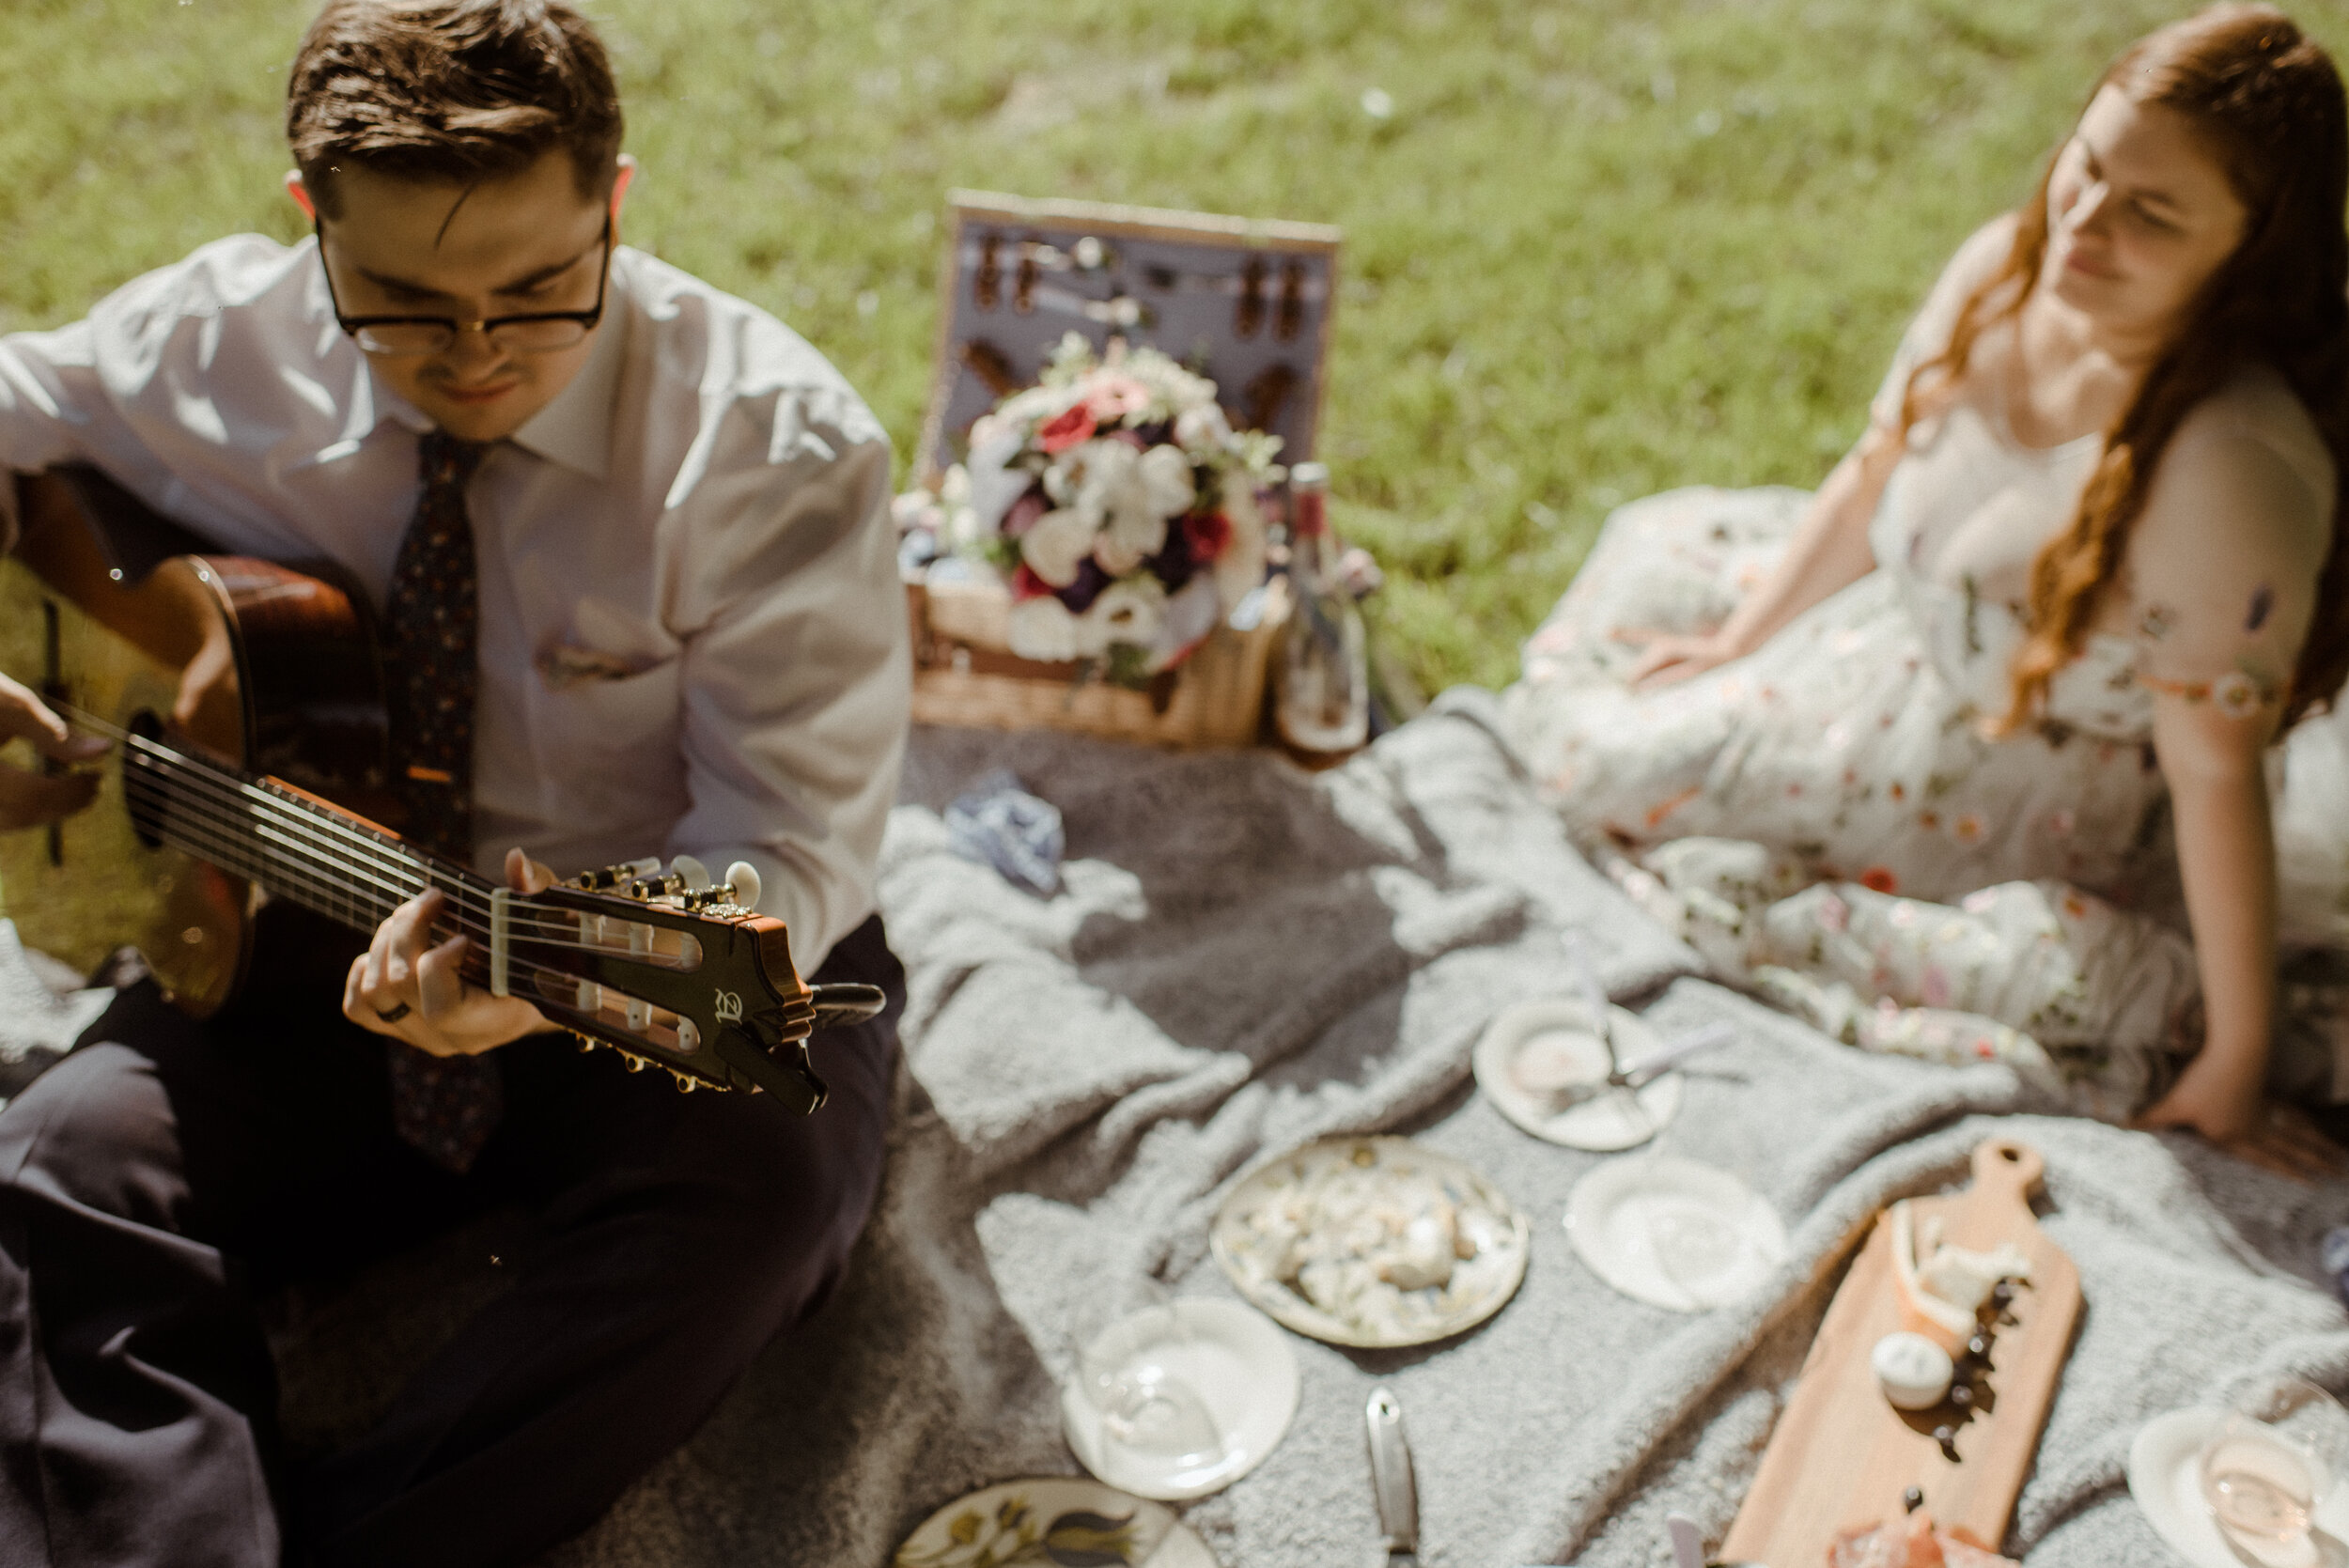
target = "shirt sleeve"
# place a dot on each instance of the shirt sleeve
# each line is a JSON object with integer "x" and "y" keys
{"x": 2222, "y": 566}
{"x": 51, "y": 400}
{"x": 1928, "y": 334}
{"x": 144, "y": 387}
{"x": 797, "y": 679}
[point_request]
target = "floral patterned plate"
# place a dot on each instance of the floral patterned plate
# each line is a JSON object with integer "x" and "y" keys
{"x": 1371, "y": 1242}
{"x": 1053, "y": 1522}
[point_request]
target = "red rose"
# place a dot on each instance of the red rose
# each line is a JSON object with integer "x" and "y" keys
{"x": 1072, "y": 428}
{"x": 1207, "y": 533}
{"x": 1026, "y": 584}
{"x": 1879, "y": 879}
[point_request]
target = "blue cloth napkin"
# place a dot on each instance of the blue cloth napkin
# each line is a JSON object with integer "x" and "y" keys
{"x": 998, "y": 823}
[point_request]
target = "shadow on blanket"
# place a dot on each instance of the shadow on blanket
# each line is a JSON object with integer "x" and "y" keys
{"x": 1242, "y": 958}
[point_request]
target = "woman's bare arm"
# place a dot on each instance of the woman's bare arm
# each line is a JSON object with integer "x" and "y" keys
{"x": 2227, "y": 856}
{"x": 2222, "y": 567}
{"x": 1828, "y": 551}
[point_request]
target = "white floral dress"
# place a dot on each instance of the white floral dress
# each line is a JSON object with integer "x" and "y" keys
{"x": 1826, "y": 819}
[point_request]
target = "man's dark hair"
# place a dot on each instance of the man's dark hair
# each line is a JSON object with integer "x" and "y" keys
{"x": 450, "y": 91}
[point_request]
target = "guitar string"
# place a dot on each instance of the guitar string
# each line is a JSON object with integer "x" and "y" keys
{"x": 336, "y": 897}
{"x": 209, "y": 845}
{"x": 414, "y": 873}
{"x": 199, "y": 838}
{"x": 343, "y": 888}
{"x": 243, "y": 806}
{"x": 222, "y": 831}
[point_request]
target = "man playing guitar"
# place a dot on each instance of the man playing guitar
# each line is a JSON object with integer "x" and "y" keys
{"x": 627, "y": 539}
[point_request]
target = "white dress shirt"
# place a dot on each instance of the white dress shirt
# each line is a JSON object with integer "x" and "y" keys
{"x": 692, "y": 637}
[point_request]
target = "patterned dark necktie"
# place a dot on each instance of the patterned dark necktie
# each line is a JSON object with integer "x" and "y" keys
{"x": 445, "y": 1105}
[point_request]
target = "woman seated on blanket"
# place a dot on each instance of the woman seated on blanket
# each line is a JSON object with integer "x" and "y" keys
{"x": 1949, "y": 755}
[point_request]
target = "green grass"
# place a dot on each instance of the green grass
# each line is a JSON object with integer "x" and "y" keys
{"x": 1598, "y": 247}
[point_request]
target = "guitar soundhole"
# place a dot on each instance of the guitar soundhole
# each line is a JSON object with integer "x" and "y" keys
{"x": 143, "y": 780}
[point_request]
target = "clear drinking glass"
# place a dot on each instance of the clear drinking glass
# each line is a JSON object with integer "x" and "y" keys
{"x": 2269, "y": 1468}
{"x": 1136, "y": 1365}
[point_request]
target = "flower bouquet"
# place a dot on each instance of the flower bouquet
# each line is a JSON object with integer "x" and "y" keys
{"x": 1111, "y": 504}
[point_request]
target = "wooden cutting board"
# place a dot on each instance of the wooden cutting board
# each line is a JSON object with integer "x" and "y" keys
{"x": 1843, "y": 1457}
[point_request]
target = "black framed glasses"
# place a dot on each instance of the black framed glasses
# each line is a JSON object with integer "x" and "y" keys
{"x": 530, "y": 332}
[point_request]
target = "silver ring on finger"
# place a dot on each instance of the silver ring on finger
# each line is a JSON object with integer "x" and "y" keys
{"x": 395, "y": 1015}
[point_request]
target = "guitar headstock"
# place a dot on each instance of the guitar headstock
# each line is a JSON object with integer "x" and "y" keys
{"x": 675, "y": 971}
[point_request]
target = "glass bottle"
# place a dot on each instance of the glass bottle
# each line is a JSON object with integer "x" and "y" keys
{"x": 1322, "y": 686}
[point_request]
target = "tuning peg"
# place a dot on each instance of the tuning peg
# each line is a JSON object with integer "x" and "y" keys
{"x": 743, "y": 877}
{"x": 635, "y": 1064}
{"x": 685, "y": 1083}
{"x": 694, "y": 874}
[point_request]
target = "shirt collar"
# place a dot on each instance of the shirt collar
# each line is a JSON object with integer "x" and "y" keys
{"x": 576, "y": 428}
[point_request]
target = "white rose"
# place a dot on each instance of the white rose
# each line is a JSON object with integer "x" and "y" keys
{"x": 1042, "y": 630}
{"x": 1129, "y": 613}
{"x": 1057, "y": 545}
{"x": 1117, "y": 553}
{"x": 1239, "y": 570}
{"x": 1203, "y": 429}
{"x": 1164, "y": 477}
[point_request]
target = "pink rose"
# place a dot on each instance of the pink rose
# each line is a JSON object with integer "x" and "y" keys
{"x": 1023, "y": 514}
{"x": 1112, "y": 396}
{"x": 1073, "y": 427}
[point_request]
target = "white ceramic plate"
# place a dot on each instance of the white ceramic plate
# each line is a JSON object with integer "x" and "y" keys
{"x": 1614, "y": 1215}
{"x": 1548, "y": 1044}
{"x": 2163, "y": 1461}
{"x": 1317, "y": 1238}
{"x": 1244, "y": 1372}
{"x": 1068, "y": 1510}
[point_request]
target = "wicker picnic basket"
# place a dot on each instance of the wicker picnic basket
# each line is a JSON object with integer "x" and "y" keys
{"x": 1213, "y": 698}
{"x": 1246, "y": 302}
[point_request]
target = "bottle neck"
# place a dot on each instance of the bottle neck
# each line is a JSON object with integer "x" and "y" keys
{"x": 1309, "y": 534}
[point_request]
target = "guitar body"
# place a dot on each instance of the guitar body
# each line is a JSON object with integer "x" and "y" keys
{"x": 265, "y": 668}
{"x": 245, "y": 700}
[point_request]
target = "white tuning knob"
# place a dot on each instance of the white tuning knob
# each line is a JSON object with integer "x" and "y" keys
{"x": 744, "y": 878}
{"x": 695, "y": 874}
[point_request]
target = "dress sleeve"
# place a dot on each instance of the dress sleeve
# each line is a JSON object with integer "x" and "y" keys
{"x": 2223, "y": 565}
{"x": 1929, "y": 332}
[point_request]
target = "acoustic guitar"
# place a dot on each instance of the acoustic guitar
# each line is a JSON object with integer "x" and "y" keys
{"x": 251, "y": 761}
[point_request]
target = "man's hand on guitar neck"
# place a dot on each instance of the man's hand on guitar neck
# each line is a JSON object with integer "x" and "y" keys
{"x": 415, "y": 993}
{"x": 30, "y": 800}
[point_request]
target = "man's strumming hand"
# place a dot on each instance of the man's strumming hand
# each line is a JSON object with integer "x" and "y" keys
{"x": 29, "y": 800}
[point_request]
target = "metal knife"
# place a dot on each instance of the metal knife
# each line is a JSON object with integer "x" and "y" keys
{"x": 1392, "y": 1483}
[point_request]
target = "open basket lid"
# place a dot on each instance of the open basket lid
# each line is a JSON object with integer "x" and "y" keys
{"x": 1243, "y": 301}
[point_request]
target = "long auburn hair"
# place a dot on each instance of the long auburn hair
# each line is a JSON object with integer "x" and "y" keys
{"x": 2270, "y": 105}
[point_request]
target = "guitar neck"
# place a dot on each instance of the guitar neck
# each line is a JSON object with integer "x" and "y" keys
{"x": 292, "y": 846}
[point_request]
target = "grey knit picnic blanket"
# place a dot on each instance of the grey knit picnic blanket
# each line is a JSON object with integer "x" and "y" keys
{"x": 1242, "y": 956}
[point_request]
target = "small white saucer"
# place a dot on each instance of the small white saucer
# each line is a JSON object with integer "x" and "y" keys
{"x": 2163, "y": 1461}
{"x": 1557, "y": 1032}
{"x": 1244, "y": 1373}
{"x": 1080, "y": 1517}
{"x": 1612, "y": 1213}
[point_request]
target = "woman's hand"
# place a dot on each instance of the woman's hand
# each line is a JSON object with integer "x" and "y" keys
{"x": 1670, "y": 657}
{"x": 30, "y": 800}
{"x": 2242, "y": 1120}
{"x": 414, "y": 993}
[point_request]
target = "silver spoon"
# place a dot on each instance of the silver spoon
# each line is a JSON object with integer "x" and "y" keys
{"x": 1639, "y": 1074}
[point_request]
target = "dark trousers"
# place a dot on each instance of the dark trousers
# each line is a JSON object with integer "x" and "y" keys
{"x": 165, "y": 1174}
